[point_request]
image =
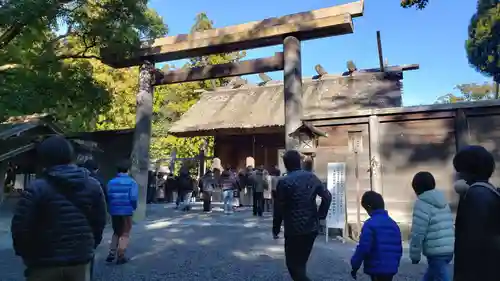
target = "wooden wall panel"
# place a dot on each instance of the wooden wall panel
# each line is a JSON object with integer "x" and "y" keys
{"x": 335, "y": 148}
{"x": 407, "y": 147}
{"x": 483, "y": 130}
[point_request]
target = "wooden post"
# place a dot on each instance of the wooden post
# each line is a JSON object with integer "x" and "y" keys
{"x": 497, "y": 87}
{"x": 355, "y": 139}
{"x": 142, "y": 135}
{"x": 375, "y": 170}
{"x": 293, "y": 90}
{"x": 461, "y": 130}
{"x": 358, "y": 191}
{"x": 201, "y": 156}
{"x": 380, "y": 54}
{"x": 173, "y": 157}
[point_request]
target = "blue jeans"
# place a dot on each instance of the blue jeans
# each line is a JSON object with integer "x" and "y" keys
{"x": 227, "y": 197}
{"x": 438, "y": 269}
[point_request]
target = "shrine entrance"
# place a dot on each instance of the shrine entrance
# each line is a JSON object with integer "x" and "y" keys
{"x": 288, "y": 30}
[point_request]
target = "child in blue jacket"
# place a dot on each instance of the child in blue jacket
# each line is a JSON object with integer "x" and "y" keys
{"x": 380, "y": 246}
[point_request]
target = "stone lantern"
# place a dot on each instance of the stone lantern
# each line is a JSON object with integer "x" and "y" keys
{"x": 308, "y": 137}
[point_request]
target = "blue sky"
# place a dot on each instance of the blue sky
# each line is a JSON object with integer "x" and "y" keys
{"x": 433, "y": 38}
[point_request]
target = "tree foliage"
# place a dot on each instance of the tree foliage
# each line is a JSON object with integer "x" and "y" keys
{"x": 51, "y": 54}
{"x": 470, "y": 92}
{"x": 89, "y": 25}
{"x": 419, "y": 4}
{"x": 46, "y": 52}
{"x": 175, "y": 100}
{"x": 483, "y": 44}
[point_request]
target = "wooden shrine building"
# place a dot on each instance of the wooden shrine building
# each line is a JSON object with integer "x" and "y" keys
{"x": 248, "y": 120}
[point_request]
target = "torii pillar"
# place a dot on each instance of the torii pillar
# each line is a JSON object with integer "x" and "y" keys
{"x": 293, "y": 90}
{"x": 142, "y": 135}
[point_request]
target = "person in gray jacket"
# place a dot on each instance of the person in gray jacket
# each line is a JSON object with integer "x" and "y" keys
{"x": 259, "y": 184}
{"x": 207, "y": 185}
{"x": 432, "y": 228}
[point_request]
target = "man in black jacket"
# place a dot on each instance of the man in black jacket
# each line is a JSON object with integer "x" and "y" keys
{"x": 93, "y": 168}
{"x": 60, "y": 217}
{"x": 477, "y": 225}
{"x": 296, "y": 206}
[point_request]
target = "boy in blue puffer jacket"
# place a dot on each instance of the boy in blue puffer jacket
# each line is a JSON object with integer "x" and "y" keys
{"x": 432, "y": 230}
{"x": 380, "y": 246}
{"x": 122, "y": 202}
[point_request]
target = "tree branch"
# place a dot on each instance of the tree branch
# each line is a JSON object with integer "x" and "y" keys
{"x": 10, "y": 33}
{"x": 10, "y": 66}
{"x": 77, "y": 56}
{"x": 83, "y": 54}
{"x": 18, "y": 26}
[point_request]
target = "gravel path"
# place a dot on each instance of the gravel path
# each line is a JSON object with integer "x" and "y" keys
{"x": 174, "y": 245}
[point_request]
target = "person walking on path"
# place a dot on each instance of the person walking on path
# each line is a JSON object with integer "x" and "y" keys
{"x": 477, "y": 224}
{"x": 186, "y": 185}
{"x": 259, "y": 185}
{"x": 296, "y": 207}
{"x": 207, "y": 186}
{"x": 275, "y": 176}
{"x": 228, "y": 184}
{"x": 180, "y": 193}
{"x": 432, "y": 228}
{"x": 122, "y": 196}
{"x": 60, "y": 217}
{"x": 92, "y": 166}
{"x": 380, "y": 245}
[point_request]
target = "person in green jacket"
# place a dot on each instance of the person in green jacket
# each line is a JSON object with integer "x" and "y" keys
{"x": 432, "y": 230}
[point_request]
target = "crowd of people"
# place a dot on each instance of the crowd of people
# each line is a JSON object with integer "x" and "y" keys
{"x": 257, "y": 184}
{"x": 66, "y": 208}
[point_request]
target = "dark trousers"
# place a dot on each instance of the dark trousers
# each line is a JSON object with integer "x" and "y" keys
{"x": 59, "y": 273}
{"x": 258, "y": 203}
{"x": 382, "y": 277}
{"x": 92, "y": 268}
{"x": 207, "y": 201}
{"x": 297, "y": 251}
{"x": 180, "y": 198}
{"x": 273, "y": 196}
{"x": 151, "y": 194}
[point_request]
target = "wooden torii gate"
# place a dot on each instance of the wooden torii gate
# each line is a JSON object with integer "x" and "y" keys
{"x": 288, "y": 30}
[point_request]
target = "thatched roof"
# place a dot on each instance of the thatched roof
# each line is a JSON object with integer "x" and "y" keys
{"x": 250, "y": 107}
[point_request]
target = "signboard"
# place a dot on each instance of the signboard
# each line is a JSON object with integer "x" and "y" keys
{"x": 336, "y": 185}
{"x": 281, "y": 165}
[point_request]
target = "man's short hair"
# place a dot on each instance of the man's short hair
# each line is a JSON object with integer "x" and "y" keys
{"x": 292, "y": 160}
{"x": 372, "y": 200}
{"x": 123, "y": 166}
{"x": 422, "y": 182}
{"x": 474, "y": 161}
{"x": 55, "y": 150}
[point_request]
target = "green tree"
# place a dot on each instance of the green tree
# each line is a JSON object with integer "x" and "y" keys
{"x": 470, "y": 92}
{"x": 93, "y": 28}
{"x": 483, "y": 44}
{"x": 175, "y": 100}
{"x": 47, "y": 48}
{"x": 419, "y": 4}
